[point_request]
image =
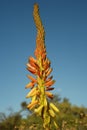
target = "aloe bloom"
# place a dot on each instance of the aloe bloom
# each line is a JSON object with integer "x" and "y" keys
{"x": 41, "y": 81}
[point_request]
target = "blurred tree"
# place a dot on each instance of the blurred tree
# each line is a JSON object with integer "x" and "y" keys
{"x": 24, "y": 105}
{"x": 70, "y": 118}
{"x": 10, "y": 122}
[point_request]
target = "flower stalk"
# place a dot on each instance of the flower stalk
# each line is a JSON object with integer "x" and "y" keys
{"x": 41, "y": 82}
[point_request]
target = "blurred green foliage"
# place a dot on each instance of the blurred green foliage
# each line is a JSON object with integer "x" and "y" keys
{"x": 71, "y": 117}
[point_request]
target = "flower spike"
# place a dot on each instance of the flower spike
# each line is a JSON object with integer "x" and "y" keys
{"x": 41, "y": 83}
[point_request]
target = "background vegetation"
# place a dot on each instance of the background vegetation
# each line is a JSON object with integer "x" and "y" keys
{"x": 71, "y": 117}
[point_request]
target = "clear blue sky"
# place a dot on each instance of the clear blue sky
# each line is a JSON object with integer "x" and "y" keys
{"x": 65, "y": 23}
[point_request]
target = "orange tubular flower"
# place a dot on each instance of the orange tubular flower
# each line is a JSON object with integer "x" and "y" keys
{"x": 32, "y": 78}
{"x": 40, "y": 84}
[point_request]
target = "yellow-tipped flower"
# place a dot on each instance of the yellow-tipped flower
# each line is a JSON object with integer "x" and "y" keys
{"x": 41, "y": 82}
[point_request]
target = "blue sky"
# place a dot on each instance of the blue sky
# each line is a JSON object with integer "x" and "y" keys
{"x": 65, "y": 25}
